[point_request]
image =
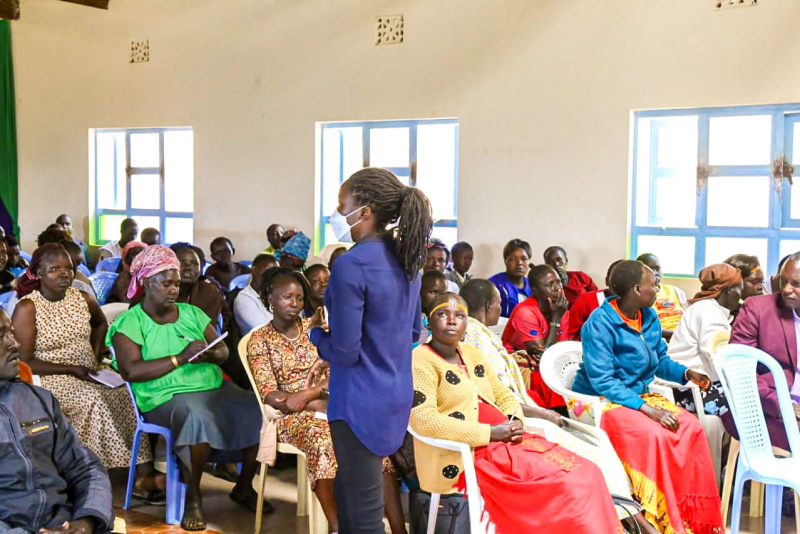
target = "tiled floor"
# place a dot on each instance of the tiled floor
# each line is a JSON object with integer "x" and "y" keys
{"x": 226, "y": 517}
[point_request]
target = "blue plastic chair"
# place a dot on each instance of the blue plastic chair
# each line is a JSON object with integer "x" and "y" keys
{"x": 103, "y": 282}
{"x": 248, "y": 263}
{"x": 176, "y": 490}
{"x": 240, "y": 282}
{"x": 736, "y": 366}
{"x": 27, "y": 257}
{"x": 17, "y": 271}
{"x": 108, "y": 265}
{"x": 85, "y": 270}
{"x": 4, "y": 298}
{"x": 205, "y": 267}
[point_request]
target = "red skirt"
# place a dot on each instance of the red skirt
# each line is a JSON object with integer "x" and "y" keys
{"x": 549, "y": 398}
{"x": 538, "y": 486}
{"x": 671, "y": 472}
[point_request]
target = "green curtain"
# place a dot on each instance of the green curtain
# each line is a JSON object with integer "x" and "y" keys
{"x": 8, "y": 135}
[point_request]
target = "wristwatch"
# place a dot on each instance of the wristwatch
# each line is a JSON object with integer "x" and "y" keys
{"x": 326, "y": 392}
{"x": 554, "y": 324}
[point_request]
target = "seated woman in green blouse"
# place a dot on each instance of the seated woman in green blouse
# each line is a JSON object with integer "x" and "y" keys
{"x": 157, "y": 344}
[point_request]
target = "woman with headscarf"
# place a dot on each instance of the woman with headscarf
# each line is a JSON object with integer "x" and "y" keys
{"x": 708, "y": 312}
{"x": 294, "y": 253}
{"x": 159, "y": 345}
{"x": 60, "y": 332}
{"x": 119, "y": 291}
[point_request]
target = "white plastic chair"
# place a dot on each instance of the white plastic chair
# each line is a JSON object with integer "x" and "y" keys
{"x": 307, "y": 502}
{"x": 477, "y": 523}
{"x": 736, "y": 366}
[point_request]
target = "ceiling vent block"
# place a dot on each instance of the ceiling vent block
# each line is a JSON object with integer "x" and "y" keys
{"x": 724, "y": 5}
{"x": 140, "y": 51}
{"x": 389, "y": 29}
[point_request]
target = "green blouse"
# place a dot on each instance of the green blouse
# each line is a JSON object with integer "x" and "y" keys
{"x": 163, "y": 341}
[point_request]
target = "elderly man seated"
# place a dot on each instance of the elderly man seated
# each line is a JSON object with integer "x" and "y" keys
{"x": 49, "y": 482}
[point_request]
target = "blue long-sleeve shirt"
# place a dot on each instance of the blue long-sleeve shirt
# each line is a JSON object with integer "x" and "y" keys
{"x": 510, "y": 294}
{"x": 374, "y": 317}
{"x": 619, "y": 363}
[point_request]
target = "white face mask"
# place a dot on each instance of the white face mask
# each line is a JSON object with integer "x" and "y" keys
{"x": 340, "y": 226}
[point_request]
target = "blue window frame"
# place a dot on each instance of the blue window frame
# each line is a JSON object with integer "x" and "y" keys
{"x": 146, "y": 174}
{"x": 421, "y": 153}
{"x": 711, "y": 182}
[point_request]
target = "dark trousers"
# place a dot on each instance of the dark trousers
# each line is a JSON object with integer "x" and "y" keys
{"x": 358, "y": 488}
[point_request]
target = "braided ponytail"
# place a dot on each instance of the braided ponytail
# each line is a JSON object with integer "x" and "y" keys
{"x": 394, "y": 203}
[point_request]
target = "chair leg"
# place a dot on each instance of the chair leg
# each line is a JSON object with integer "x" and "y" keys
{"x": 738, "y": 492}
{"x": 302, "y": 486}
{"x": 433, "y": 513}
{"x": 317, "y": 523}
{"x": 772, "y": 513}
{"x": 727, "y": 484}
{"x": 137, "y": 436}
{"x": 756, "y": 499}
{"x": 176, "y": 490}
{"x": 262, "y": 481}
{"x": 796, "y": 511}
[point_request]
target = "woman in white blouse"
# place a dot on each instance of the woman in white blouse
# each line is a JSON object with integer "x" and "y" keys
{"x": 708, "y": 312}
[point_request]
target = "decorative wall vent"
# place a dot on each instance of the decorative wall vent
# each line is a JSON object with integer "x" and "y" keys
{"x": 389, "y": 29}
{"x": 720, "y": 5}
{"x": 140, "y": 51}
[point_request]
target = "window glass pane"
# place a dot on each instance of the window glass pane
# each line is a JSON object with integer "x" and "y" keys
{"x": 110, "y": 170}
{"x": 330, "y": 237}
{"x": 448, "y": 235}
{"x": 718, "y": 249}
{"x": 788, "y": 246}
{"x": 436, "y": 167}
{"x": 741, "y": 140}
{"x": 178, "y": 229}
{"x": 342, "y": 155}
{"x": 179, "y": 171}
{"x": 147, "y": 222}
{"x": 666, "y": 171}
{"x": 145, "y": 191}
{"x": 388, "y": 147}
{"x": 738, "y": 201}
{"x": 144, "y": 150}
{"x": 109, "y": 227}
{"x": 796, "y": 144}
{"x": 794, "y": 208}
{"x": 675, "y": 253}
{"x": 404, "y": 179}
{"x": 352, "y": 151}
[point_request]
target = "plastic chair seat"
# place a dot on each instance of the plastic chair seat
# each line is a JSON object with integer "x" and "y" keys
{"x": 103, "y": 282}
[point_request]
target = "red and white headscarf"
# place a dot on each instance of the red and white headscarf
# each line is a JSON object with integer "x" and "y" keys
{"x": 152, "y": 260}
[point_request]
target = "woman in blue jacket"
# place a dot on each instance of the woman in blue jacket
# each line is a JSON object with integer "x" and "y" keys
{"x": 663, "y": 447}
{"x": 373, "y": 301}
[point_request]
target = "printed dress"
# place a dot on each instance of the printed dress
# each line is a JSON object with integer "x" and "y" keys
{"x": 102, "y": 417}
{"x": 282, "y": 364}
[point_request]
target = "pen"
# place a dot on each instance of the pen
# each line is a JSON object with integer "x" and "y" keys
{"x": 184, "y": 337}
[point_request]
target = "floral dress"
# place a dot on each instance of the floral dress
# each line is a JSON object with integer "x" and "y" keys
{"x": 102, "y": 417}
{"x": 282, "y": 364}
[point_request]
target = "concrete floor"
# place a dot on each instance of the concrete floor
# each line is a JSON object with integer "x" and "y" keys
{"x": 226, "y": 517}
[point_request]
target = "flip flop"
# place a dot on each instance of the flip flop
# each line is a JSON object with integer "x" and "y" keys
{"x": 152, "y": 497}
{"x": 251, "y": 501}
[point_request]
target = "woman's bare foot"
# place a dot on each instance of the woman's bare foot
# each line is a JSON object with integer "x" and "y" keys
{"x": 248, "y": 497}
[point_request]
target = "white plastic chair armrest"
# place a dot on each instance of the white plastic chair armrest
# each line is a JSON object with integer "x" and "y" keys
{"x": 542, "y": 427}
{"x": 321, "y": 415}
{"x": 442, "y": 443}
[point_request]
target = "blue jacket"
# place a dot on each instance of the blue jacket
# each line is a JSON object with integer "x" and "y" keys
{"x": 618, "y": 363}
{"x": 510, "y": 294}
{"x": 374, "y": 317}
{"x": 46, "y": 476}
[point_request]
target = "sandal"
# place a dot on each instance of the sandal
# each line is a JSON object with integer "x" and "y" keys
{"x": 151, "y": 497}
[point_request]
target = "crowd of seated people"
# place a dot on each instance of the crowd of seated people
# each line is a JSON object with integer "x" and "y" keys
{"x": 636, "y": 330}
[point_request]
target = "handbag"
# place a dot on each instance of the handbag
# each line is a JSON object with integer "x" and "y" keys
{"x": 453, "y": 516}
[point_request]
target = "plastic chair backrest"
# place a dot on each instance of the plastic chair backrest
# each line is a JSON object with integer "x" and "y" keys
{"x": 103, "y": 282}
{"x": 718, "y": 339}
{"x": 24, "y": 255}
{"x": 108, "y": 265}
{"x": 85, "y": 270}
{"x": 205, "y": 267}
{"x": 246, "y": 364}
{"x": 4, "y": 298}
{"x": 247, "y": 263}
{"x": 564, "y": 360}
{"x": 736, "y": 366}
{"x": 240, "y": 282}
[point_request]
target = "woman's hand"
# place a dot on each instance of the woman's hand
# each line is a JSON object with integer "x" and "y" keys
{"x": 191, "y": 349}
{"x": 318, "y": 321}
{"x": 548, "y": 415}
{"x": 81, "y": 372}
{"x": 296, "y": 402}
{"x": 699, "y": 378}
{"x": 317, "y": 405}
{"x": 507, "y": 432}
{"x": 559, "y": 305}
{"x": 318, "y": 370}
{"x": 79, "y": 526}
{"x": 666, "y": 419}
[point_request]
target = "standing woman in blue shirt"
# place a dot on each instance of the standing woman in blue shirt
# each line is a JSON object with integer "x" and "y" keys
{"x": 373, "y": 303}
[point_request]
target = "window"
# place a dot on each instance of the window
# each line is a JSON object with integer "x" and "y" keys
{"x": 709, "y": 183}
{"x": 147, "y": 175}
{"x": 421, "y": 153}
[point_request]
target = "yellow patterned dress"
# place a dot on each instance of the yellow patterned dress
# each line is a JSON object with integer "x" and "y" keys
{"x": 102, "y": 417}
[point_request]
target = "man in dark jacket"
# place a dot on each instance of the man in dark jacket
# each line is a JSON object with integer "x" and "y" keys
{"x": 49, "y": 481}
